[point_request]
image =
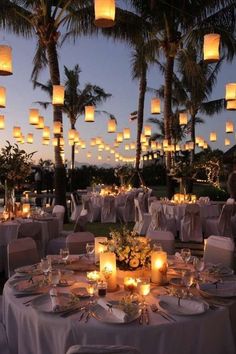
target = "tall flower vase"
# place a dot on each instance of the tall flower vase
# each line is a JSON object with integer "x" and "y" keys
{"x": 9, "y": 200}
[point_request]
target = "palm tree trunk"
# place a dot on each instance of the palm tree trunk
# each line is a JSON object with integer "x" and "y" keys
{"x": 142, "y": 92}
{"x": 72, "y": 184}
{"x": 169, "y": 68}
{"x": 192, "y": 129}
{"x": 60, "y": 173}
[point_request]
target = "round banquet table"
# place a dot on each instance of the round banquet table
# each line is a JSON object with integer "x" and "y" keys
{"x": 32, "y": 332}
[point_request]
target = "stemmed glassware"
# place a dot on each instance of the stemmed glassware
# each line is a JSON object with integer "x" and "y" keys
{"x": 90, "y": 247}
{"x": 186, "y": 254}
{"x": 188, "y": 279}
{"x": 199, "y": 266}
{"x": 64, "y": 253}
{"x": 55, "y": 277}
{"x": 45, "y": 265}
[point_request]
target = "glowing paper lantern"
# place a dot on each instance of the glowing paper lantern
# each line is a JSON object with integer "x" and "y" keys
{"x": 183, "y": 118}
{"x": 40, "y": 124}
{"x": 104, "y": 13}
{"x": 213, "y": 136}
{"x": 111, "y": 126}
{"x": 211, "y": 47}
{"x": 227, "y": 142}
{"x": 229, "y": 127}
{"x": 126, "y": 133}
{"x": 89, "y": 154}
{"x": 16, "y": 132}
{"x": 5, "y": 60}
{"x": 34, "y": 116}
{"x": 230, "y": 91}
{"x": 61, "y": 142}
{"x": 143, "y": 139}
{"x": 231, "y": 105}
{"x": 98, "y": 140}
{"x": 93, "y": 142}
{"x": 71, "y": 134}
{"x": 55, "y": 141}
{"x": 30, "y": 138}
{"x": 89, "y": 114}
{"x": 205, "y": 145}
{"x": 190, "y": 145}
{"x": 132, "y": 146}
{"x": 126, "y": 147}
{"x": 57, "y": 127}
{"x": 99, "y": 157}
{"x": 2, "y": 97}
{"x": 46, "y": 133}
{"x": 165, "y": 143}
{"x": 147, "y": 130}
{"x": 119, "y": 137}
{"x": 45, "y": 141}
{"x": 155, "y": 106}
{"x": 58, "y": 94}
{"x": 2, "y": 121}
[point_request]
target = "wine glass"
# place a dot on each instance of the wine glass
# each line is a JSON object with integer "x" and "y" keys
{"x": 45, "y": 265}
{"x": 55, "y": 277}
{"x": 199, "y": 266}
{"x": 156, "y": 246}
{"x": 186, "y": 254}
{"x": 90, "y": 249}
{"x": 144, "y": 288}
{"x": 187, "y": 280}
{"x": 64, "y": 253}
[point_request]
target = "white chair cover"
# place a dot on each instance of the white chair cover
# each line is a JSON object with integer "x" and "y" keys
{"x": 33, "y": 230}
{"x": 219, "y": 250}
{"x": 59, "y": 212}
{"x": 21, "y": 252}
{"x": 142, "y": 220}
{"x": 191, "y": 227}
{"x": 158, "y": 219}
{"x": 93, "y": 210}
{"x": 125, "y": 213}
{"x": 150, "y": 201}
{"x": 4, "y": 349}
{"x": 108, "y": 210}
{"x": 75, "y": 207}
{"x": 166, "y": 239}
{"x": 222, "y": 225}
{"x": 230, "y": 201}
{"x": 76, "y": 242}
{"x": 204, "y": 200}
{"x": 102, "y": 349}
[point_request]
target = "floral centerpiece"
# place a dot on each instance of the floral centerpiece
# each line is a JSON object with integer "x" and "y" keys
{"x": 132, "y": 251}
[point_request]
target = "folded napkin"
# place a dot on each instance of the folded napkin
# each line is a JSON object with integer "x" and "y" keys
{"x": 54, "y": 300}
{"x": 224, "y": 289}
{"x": 118, "y": 313}
{"x": 187, "y": 306}
{"x": 178, "y": 257}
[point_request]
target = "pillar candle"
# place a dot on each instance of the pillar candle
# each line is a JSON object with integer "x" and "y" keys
{"x": 108, "y": 269}
{"x": 158, "y": 267}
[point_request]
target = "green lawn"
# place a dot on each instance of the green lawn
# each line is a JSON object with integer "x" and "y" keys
{"x": 99, "y": 229}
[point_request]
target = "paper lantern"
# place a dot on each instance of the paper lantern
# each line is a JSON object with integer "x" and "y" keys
{"x": 153, "y": 145}
{"x": 229, "y": 127}
{"x": 5, "y": 60}
{"x": 183, "y": 118}
{"x": 213, "y": 136}
{"x": 93, "y": 142}
{"x": 89, "y": 154}
{"x": 177, "y": 147}
{"x": 99, "y": 157}
{"x": 197, "y": 139}
{"x": 83, "y": 145}
{"x": 89, "y": 114}
{"x": 107, "y": 147}
{"x": 34, "y": 116}
{"x": 104, "y": 13}
{"x": 165, "y": 143}
{"x": 126, "y": 147}
{"x": 2, "y": 97}
{"x": 190, "y": 145}
{"x": 145, "y": 158}
{"x": 40, "y": 124}
{"x": 155, "y": 106}
{"x": 126, "y": 133}
{"x": 132, "y": 146}
{"x": 57, "y": 125}
{"x": 98, "y": 140}
{"x": 158, "y": 267}
{"x": 231, "y": 105}
{"x": 71, "y": 134}
{"x": 119, "y": 137}
{"x": 45, "y": 141}
{"x": 58, "y": 95}
{"x": 30, "y": 138}
{"x": 2, "y": 121}
{"x": 61, "y": 141}
{"x": 155, "y": 155}
{"x": 227, "y": 142}
{"x": 211, "y": 47}
{"x": 205, "y": 145}
{"x": 143, "y": 139}
{"x": 26, "y": 208}
{"x": 46, "y": 133}
{"x": 55, "y": 141}
{"x": 111, "y": 126}
{"x": 230, "y": 91}
{"x": 16, "y": 132}
{"x": 147, "y": 130}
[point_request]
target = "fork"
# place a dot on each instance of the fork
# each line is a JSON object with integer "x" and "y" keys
{"x": 155, "y": 309}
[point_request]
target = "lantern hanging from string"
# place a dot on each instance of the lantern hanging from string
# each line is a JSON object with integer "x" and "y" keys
{"x": 231, "y": 105}
{"x": 183, "y": 118}
{"x": 40, "y": 124}
{"x": 2, "y": 97}
{"x": 89, "y": 114}
{"x": 46, "y": 133}
{"x": 132, "y": 146}
{"x": 45, "y": 141}
{"x": 211, "y": 47}
{"x": 127, "y": 147}
{"x": 153, "y": 145}
{"x": 61, "y": 141}
{"x": 111, "y": 125}
{"x": 57, "y": 125}
{"x": 205, "y": 145}
{"x": 93, "y": 142}
{"x": 2, "y": 121}
{"x": 126, "y": 133}
{"x": 165, "y": 143}
{"x": 34, "y": 116}
{"x": 155, "y": 106}
{"x": 89, "y": 154}
{"x": 16, "y": 132}
{"x": 227, "y": 142}
{"x": 119, "y": 137}
{"x": 58, "y": 95}
{"x": 190, "y": 145}
{"x": 143, "y": 139}
{"x": 30, "y": 138}
{"x": 71, "y": 134}
{"x": 229, "y": 127}
{"x": 104, "y": 13}
{"x": 230, "y": 91}
{"x": 5, "y": 60}
{"x": 147, "y": 130}
{"x": 55, "y": 141}
{"x": 213, "y": 136}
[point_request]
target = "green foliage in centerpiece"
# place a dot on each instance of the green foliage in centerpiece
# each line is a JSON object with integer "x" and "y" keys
{"x": 132, "y": 251}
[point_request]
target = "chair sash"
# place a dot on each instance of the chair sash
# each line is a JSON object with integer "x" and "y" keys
{"x": 224, "y": 221}
{"x": 191, "y": 228}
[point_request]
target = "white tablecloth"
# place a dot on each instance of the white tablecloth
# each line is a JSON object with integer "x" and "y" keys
{"x": 31, "y": 332}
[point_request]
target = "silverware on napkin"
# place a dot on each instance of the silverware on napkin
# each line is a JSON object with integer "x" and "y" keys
{"x": 155, "y": 309}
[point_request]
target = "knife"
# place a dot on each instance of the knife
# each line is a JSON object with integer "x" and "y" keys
{"x": 69, "y": 312}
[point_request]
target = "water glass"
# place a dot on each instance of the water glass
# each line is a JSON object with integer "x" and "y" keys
{"x": 199, "y": 266}
{"x": 90, "y": 247}
{"x": 186, "y": 254}
{"x": 64, "y": 253}
{"x": 188, "y": 280}
{"x": 55, "y": 277}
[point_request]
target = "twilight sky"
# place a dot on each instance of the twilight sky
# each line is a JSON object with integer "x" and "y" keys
{"x": 102, "y": 63}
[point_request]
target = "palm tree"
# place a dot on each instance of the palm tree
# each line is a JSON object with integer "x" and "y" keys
{"x": 76, "y": 98}
{"x": 43, "y": 20}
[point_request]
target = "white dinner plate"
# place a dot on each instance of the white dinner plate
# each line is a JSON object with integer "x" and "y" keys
{"x": 219, "y": 270}
{"x": 26, "y": 285}
{"x": 107, "y": 317}
{"x": 187, "y": 307}
{"x": 220, "y": 289}
{"x": 33, "y": 269}
{"x": 43, "y": 303}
